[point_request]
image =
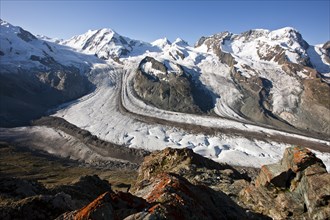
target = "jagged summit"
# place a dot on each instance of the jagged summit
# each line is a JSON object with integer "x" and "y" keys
{"x": 10, "y": 30}
{"x": 104, "y": 43}
{"x": 180, "y": 42}
{"x": 162, "y": 42}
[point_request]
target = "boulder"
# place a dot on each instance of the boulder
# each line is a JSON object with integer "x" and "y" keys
{"x": 176, "y": 198}
{"x": 296, "y": 187}
{"x": 295, "y": 160}
{"x": 193, "y": 167}
{"x": 109, "y": 205}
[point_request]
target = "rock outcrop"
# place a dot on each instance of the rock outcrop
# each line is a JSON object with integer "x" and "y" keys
{"x": 27, "y": 199}
{"x": 193, "y": 167}
{"x": 174, "y": 197}
{"x": 23, "y": 199}
{"x": 179, "y": 184}
{"x": 174, "y": 184}
{"x": 294, "y": 188}
{"x": 174, "y": 90}
{"x": 297, "y": 187}
{"x": 109, "y": 205}
{"x": 163, "y": 192}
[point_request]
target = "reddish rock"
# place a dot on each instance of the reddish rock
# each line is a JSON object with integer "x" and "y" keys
{"x": 176, "y": 198}
{"x": 298, "y": 158}
{"x": 295, "y": 159}
{"x": 193, "y": 167}
{"x": 100, "y": 208}
{"x": 297, "y": 187}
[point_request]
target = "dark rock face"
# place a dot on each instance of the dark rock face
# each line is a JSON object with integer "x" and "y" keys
{"x": 257, "y": 102}
{"x": 213, "y": 44}
{"x": 315, "y": 105}
{"x": 326, "y": 46}
{"x": 171, "y": 91}
{"x": 24, "y": 199}
{"x": 109, "y": 205}
{"x": 37, "y": 207}
{"x": 25, "y": 35}
{"x": 297, "y": 187}
{"x": 28, "y": 88}
{"x": 18, "y": 188}
{"x": 30, "y": 200}
{"x": 33, "y": 92}
{"x": 176, "y": 198}
{"x": 85, "y": 189}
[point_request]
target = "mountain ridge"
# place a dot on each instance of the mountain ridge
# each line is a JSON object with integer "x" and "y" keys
{"x": 268, "y": 77}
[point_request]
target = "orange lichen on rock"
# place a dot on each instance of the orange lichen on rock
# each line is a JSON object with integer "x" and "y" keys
{"x": 154, "y": 208}
{"x": 159, "y": 188}
{"x": 264, "y": 177}
{"x": 86, "y": 212}
{"x": 300, "y": 155}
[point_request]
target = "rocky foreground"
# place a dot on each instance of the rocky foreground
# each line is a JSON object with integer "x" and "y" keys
{"x": 179, "y": 184}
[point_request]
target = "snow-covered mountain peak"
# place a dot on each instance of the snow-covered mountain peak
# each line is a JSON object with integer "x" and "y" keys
{"x": 20, "y": 48}
{"x": 163, "y": 42}
{"x": 4, "y": 23}
{"x": 216, "y": 38}
{"x": 284, "y": 32}
{"x": 288, "y": 35}
{"x": 180, "y": 42}
{"x": 105, "y": 43}
{"x": 252, "y": 35}
{"x": 8, "y": 29}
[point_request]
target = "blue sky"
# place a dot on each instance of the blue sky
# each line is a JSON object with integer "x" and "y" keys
{"x": 150, "y": 20}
